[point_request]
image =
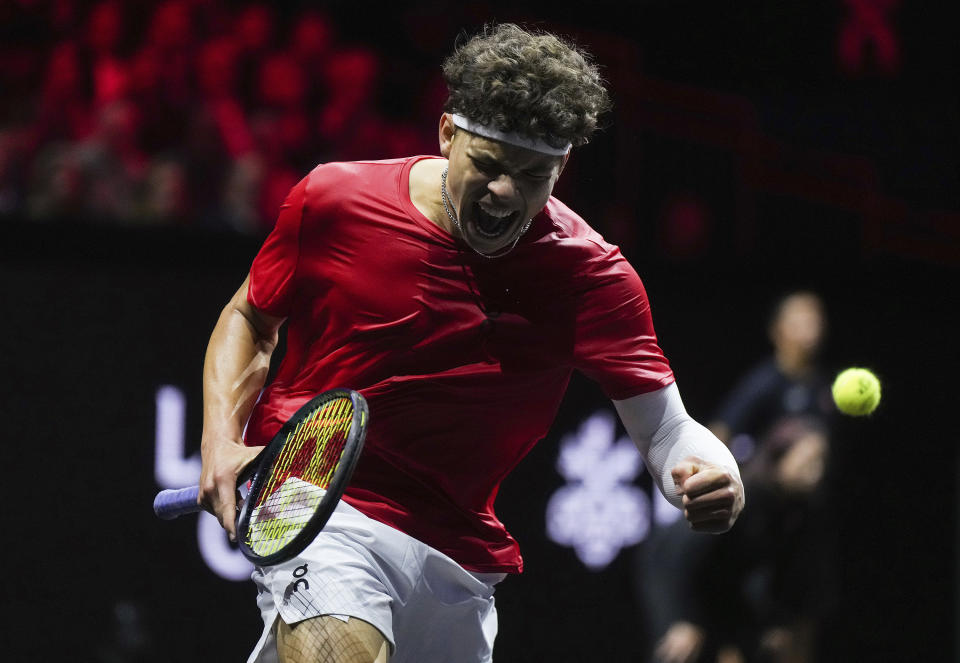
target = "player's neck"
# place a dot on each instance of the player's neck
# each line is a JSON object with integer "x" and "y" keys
{"x": 425, "y": 191}
{"x": 794, "y": 364}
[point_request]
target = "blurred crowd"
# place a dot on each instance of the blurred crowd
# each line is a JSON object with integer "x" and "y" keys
{"x": 189, "y": 111}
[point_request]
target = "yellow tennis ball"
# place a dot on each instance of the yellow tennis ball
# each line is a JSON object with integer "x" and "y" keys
{"x": 856, "y": 391}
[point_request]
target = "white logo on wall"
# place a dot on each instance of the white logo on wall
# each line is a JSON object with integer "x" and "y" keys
{"x": 172, "y": 469}
{"x": 600, "y": 511}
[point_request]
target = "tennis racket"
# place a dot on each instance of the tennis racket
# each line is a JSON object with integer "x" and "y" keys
{"x": 297, "y": 479}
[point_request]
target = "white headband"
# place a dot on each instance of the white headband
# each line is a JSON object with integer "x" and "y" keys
{"x": 487, "y": 131}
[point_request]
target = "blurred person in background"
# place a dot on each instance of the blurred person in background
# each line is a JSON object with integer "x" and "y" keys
{"x": 173, "y": 37}
{"x": 349, "y": 124}
{"x": 217, "y": 70}
{"x": 63, "y": 110}
{"x": 282, "y": 131}
{"x": 109, "y": 71}
{"x": 776, "y": 563}
{"x": 165, "y": 198}
{"x": 254, "y": 26}
{"x": 788, "y": 383}
{"x": 312, "y": 40}
{"x": 96, "y": 178}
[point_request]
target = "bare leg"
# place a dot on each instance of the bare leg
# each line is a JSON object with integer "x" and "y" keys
{"x": 330, "y": 640}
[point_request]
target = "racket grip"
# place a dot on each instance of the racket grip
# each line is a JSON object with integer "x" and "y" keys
{"x": 170, "y": 504}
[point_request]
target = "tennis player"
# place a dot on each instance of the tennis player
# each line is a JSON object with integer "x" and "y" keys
{"x": 458, "y": 296}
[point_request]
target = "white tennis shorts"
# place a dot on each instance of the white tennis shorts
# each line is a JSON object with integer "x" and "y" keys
{"x": 425, "y": 604}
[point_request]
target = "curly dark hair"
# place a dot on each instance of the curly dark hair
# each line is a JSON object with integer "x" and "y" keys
{"x": 532, "y": 83}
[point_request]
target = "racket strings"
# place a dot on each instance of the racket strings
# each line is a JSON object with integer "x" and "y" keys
{"x": 313, "y": 448}
{"x": 299, "y": 477}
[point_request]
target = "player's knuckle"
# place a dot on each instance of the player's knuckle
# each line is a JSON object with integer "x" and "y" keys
{"x": 222, "y": 478}
{"x": 204, "y": 495}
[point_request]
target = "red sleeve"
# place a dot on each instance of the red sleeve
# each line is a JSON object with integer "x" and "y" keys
{"x": 272, "y": 275}
{"x": 615, "y": 342}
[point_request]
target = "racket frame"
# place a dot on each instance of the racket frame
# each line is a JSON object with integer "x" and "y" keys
{"x": 341, "y": 477}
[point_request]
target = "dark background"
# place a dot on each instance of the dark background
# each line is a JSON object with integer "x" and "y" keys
{"x": 745, "y": 158}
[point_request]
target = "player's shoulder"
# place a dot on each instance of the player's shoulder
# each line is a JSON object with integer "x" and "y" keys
{"x": 353, "y": 167}
{"x": 334, "y": 180}
{"x": 354, "y": 172}
{"x": 565, "y": 249}
{"x": 568, "y": 232}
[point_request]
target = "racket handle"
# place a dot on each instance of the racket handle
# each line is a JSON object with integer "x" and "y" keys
{"x": 170, "y": 504}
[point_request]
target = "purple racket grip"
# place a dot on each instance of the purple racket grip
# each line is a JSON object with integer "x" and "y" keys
{"x": 170, "y": 504}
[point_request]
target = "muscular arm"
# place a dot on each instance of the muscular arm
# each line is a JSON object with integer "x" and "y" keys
{"x": 234, "y": 371}
{"x": 693, "y": 469}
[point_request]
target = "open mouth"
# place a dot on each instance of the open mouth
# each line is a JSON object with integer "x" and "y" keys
{"x": 492, "y": 223}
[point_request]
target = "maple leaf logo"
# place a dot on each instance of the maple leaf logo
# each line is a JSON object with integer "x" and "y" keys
{"x": 599, "y": 511}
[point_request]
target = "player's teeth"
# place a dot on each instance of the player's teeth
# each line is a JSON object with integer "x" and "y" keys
{"x": 495, "y": 212}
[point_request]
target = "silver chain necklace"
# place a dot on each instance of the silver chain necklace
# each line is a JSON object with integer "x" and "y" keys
{"x": 447, "y": 207}
{"x": 446, "y": 202}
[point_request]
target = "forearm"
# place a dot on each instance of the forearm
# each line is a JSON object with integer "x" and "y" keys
{"x": 235, "y": 369}
{"x": 665, "y": 434}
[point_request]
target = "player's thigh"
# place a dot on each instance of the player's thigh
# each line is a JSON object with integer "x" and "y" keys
{"x": 330, "y": 640}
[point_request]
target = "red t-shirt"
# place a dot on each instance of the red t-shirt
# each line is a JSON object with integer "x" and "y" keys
{"x": 463, "y": 359}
